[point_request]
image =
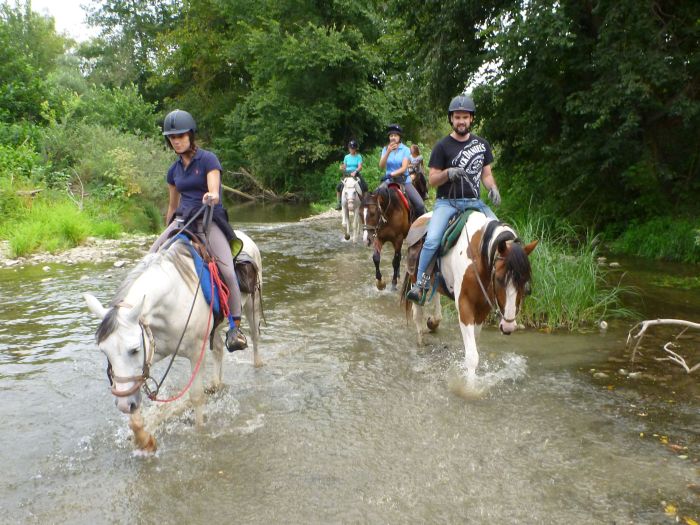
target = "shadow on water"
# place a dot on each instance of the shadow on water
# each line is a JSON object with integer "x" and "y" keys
{"x": 348, "y": 421}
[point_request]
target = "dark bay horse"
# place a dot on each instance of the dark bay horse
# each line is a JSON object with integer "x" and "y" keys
{"x": 486, "y": 270}
{"x": 385, "y": 218}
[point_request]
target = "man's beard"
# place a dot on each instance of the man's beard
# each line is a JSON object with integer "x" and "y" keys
{"x": 461, "y": 133}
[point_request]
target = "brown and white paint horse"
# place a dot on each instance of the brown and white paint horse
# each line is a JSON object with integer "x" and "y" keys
{"x": 487, "y": 269}
{"x": 385, "y": 218}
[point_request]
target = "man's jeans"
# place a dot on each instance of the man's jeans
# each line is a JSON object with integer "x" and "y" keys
{"x": 443, "y": 211}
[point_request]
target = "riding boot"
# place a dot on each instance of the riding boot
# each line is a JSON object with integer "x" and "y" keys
{"x": 419, "y": 291}
{"x": 235, "y": 340}
{"x": 339, "y": 205}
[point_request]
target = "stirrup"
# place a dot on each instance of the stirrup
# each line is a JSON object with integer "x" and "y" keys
{"x": 235, "y": 340}
{"x": 419, "y": 291}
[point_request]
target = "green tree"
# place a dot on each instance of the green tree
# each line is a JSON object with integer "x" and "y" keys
{"x": 29, "y": 47}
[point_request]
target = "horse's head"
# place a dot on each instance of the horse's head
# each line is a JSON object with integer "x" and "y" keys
{"x": 351, "y": 191}
{"x": 124, "y": 340}
{"x": 370, "y": 216}
{"x": 510, "y": 276}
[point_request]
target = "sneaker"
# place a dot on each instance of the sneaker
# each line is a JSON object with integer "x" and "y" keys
{"x": 235, "y": 340}
{"x": 419, "y": 291}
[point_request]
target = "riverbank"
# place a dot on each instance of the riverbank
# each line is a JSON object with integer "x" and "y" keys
{"x": 93, "y": 250}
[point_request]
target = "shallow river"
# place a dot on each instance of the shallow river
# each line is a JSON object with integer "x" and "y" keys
{"x": 348, "y": 421}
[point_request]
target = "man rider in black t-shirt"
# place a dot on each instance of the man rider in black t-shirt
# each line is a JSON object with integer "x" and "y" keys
{"x": 459, "y": 163}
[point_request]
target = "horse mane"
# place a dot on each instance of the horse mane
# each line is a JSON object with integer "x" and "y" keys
{"x": 518, "y": 265}
{"x": 177, "y": 253}
{"x": 496, "y": 234}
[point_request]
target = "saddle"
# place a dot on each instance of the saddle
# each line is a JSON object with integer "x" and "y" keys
{"x": 244, "y": 267}
{"x": 416, "y": 238}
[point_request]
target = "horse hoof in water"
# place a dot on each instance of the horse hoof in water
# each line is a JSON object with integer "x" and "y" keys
{"x": 347, "y": 237}
{"x": 432, "y": 324}
{"x": 380, "y": 284}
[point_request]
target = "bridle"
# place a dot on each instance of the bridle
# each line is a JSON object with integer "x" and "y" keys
{"x": 148, "y": 353}
{"x": 492, "y": 283}
{"x": 374, "y": 230}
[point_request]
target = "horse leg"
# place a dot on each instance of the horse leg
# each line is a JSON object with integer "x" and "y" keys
{"x": 217, "y": 349}
{"x": 197, "y": 391}
{"x": 434, "y": 319}
{"x": 471, "y": 355}
{"x": 418, "y": 321}
{"x": 356, "y": 223}
{"x": 253, "y": 313}
{"x": 396, "y": 263}
{"x": 142, "y": 438}
{"x": 377, "y": 258}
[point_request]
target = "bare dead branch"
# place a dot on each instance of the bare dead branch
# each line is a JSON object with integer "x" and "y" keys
{"x": 639, "y": 330}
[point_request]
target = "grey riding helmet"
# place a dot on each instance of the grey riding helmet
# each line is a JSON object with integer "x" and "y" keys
{"x": 461, "y": 103}
{"x": 178, "y": 122}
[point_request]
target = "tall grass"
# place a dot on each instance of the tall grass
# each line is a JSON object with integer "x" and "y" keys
{"x": 569, "y": 288}
{"x": 48, "y": 226}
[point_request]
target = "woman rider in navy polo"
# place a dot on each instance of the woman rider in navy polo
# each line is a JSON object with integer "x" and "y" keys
{"x": 195, "y": 179}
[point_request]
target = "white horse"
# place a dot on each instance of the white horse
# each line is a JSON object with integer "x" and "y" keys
{"x": 154, "y": 308}
{"x": 351, "y": 199}
{"x": 487, "y": 269}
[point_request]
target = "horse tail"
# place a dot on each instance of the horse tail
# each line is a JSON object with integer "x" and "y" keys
{"x": 405, "y": 287}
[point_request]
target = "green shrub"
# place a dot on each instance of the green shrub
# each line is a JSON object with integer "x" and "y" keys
{"x": 122, "y": 109}
{"x": 672, "y": 239}
{"x": 107, "y": 230}
{"x": 110, "y": 164}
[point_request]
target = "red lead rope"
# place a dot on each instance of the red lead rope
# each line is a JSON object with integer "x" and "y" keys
{"x": 204, "y": 342}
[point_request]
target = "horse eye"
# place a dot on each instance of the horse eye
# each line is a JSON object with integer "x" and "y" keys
{"x": 134, "y": 351}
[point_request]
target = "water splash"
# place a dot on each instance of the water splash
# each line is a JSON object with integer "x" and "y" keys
{"x": 512, "y": 367}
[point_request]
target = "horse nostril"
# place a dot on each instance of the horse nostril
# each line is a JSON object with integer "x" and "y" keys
{"x": 132, "y": 407}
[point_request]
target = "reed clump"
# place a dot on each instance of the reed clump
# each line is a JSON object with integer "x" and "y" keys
{"x": 570, "y": 289}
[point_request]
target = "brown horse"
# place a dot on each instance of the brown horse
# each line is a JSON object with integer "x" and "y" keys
{"x": 419, "y": 182}
{"x": 486, "y": 270}
{"x": 385, "y": 218}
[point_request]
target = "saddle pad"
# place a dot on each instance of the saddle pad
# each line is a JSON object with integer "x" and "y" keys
{"x": 202, "y": 270}
{"x": 398, "y": 191}
{"x": 454, "y": 230}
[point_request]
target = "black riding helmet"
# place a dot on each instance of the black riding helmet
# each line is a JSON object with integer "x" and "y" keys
{"x": 461, "y": 103}
{"x": 352, "y": 144}
{"x": 394, "y": 128}
{"x": 177, "y": 122}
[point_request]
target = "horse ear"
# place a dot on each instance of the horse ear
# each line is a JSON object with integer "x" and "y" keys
{"x": 95, "y": 306}
{"x": 135, "y": 312}
{"x": 529, "y": 247}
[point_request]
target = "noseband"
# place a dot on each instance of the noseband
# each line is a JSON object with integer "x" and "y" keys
{"x": 148, "y": 352}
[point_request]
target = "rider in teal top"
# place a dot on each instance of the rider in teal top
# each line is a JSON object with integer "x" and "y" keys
{"x": 351, "y": 167}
